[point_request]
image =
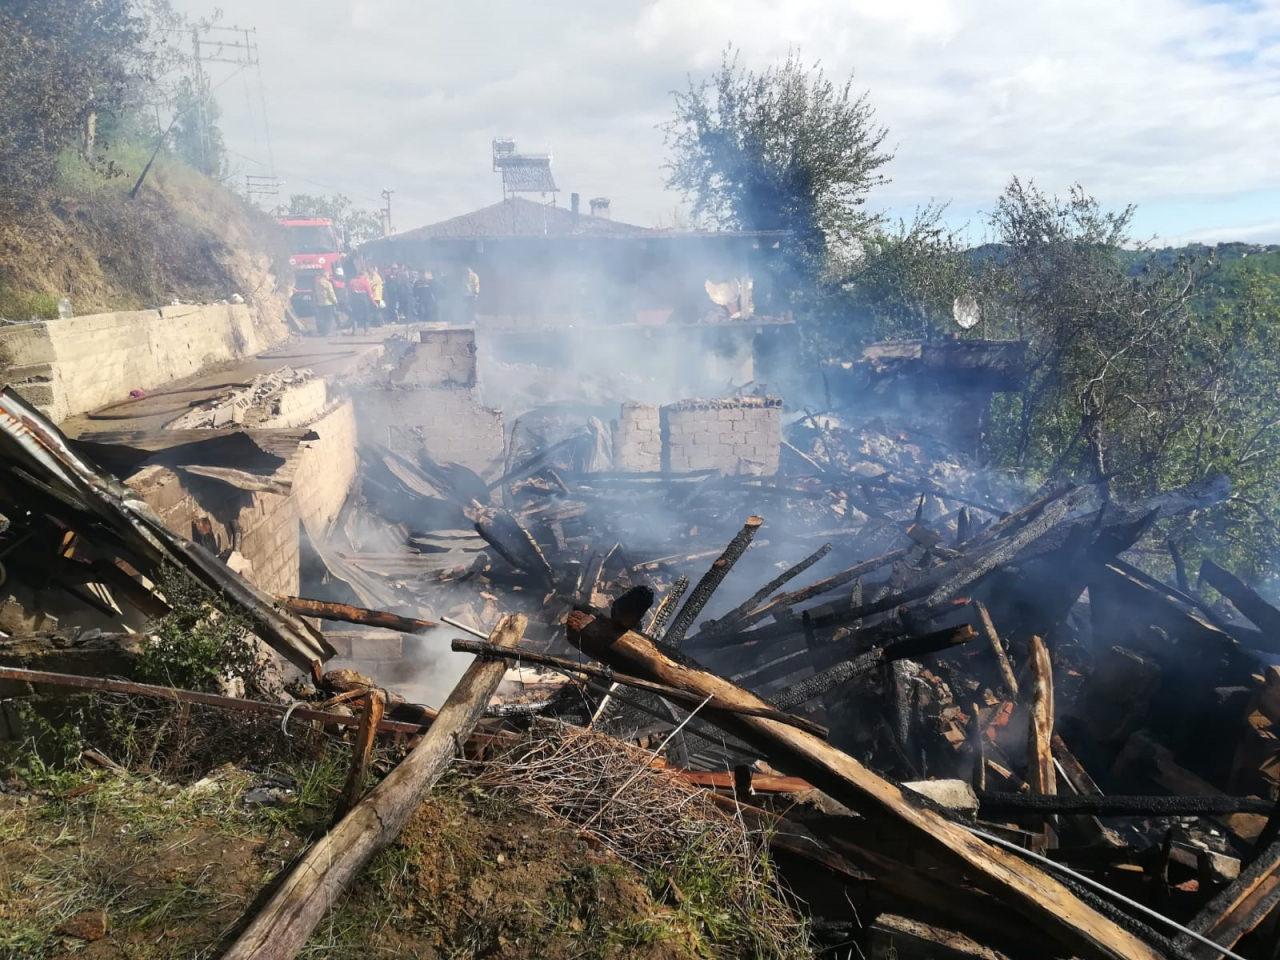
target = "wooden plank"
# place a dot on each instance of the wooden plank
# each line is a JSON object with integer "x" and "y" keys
{"x": 1025, "y": 888}
{"x": 987, "y": 627}
{"x": 316, "y": 881}
{"x": 1040, "y": 771}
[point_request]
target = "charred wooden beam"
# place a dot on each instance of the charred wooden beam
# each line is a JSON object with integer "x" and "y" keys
{"x": 1025, "y": 888}
{"x": 1245, "y": 599}
{"x": 769, "y": 589}
{"x": 667, "y": 607}
{"x": 347, "y": 613}
{"x": 998, "y": 804}
{"x": 712, "y": 579}
{"x": 511, "y": 540}
{"x": 488, "y": 651}
{"x": 912, "y": 647}
{"x": 833, "y": 582}
{"x": 1238, "y": 908}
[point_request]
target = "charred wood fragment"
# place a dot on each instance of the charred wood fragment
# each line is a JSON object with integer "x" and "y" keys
{"x": 712, "y": 579}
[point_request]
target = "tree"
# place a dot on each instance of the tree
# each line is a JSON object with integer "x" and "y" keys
{"x": 62, "y": 63}
{"x": 786, "y": 148}
{"x": 357, "y": 224}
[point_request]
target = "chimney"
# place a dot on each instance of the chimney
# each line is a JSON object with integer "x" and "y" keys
{"x": 600, "y": 207}
{"x": 574, "y": 203}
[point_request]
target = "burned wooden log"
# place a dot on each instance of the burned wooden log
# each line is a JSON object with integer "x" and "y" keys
{"x": 987, "y": 628}
{"x": 317, "y": 880}
{"x": 912, "y": 647}
{"x": 768, "y": 590}
{"x": 712, "y": 579}
{"x": 348, "y": 613}
{"x": 488, "y": 651}
{"x": 1023, "y": 887}
{"x": 999, "y": 804}
{"x": 833, "y": 582}
{"x": 511, "y": 540}
{"x": 1245, "y": 599}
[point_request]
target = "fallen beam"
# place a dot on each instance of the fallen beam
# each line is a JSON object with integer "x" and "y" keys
{"x": 711, "y": 580}
{"x": 348, "y": 613}
{"x": 1244, "y": 599}
{"x": 995, "y": 803}
{"x": 320, "y": 877}
{"x": 1024, "y": 887}
{"x": 487, "y": 651}
{"x": 1040, "y": 772}
{"x": 239, "y": 705}
{"x": 765, "y": 592}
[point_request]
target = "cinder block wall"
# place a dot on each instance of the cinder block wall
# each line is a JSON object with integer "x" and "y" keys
{"x": 637, "y": 439}
{"x": 448, "y": 423}
{"x": 73, "y": 365}
{"x": 440, "y": 358}
{"x": 740, "y": 435}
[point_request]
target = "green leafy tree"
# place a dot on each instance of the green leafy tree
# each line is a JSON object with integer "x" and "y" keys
{"x": 357, "y": 224}
{"x": 786, "y": 148}
{"x": 62, "y": 64}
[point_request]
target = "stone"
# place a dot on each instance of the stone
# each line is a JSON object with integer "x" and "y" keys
{"x": 89, "y": 925}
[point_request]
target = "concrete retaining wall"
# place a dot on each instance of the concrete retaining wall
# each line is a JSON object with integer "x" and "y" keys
{"x": 74, "y": 365}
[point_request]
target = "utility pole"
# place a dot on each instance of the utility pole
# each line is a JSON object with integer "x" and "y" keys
{"x": 386, "y": 212}
{"x": 262, "y": 190}
{"x": 241, "y": 52}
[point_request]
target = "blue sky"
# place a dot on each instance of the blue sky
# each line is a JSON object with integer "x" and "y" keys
{"x": 1170, "y": 104}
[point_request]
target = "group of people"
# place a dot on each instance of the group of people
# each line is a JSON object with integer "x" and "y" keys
{"x": 403, "y": 295}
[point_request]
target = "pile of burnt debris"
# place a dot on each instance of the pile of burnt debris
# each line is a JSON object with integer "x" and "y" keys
{"x": 955, "y": 708}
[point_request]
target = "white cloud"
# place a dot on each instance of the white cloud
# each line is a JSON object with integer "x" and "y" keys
{"x": 1140, "y": 100}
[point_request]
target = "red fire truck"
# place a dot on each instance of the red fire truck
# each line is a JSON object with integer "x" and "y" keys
{"x": 313, "y": 247}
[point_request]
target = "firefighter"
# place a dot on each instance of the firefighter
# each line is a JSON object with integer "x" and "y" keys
{"x": 325, "y": 299}
{"x": 375, "y": 291}
{"x": 360, "y": 294}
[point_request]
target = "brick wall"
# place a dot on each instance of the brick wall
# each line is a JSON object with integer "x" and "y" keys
{"x": 76, "y": 364}
{"x": 637, "y": 439}
{"x": 741, "y": 435}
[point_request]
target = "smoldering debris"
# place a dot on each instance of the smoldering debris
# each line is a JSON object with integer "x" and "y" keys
{"x": 951, "y": 703}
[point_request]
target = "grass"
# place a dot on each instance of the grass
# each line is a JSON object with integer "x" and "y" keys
{"x": 174, "y": 856}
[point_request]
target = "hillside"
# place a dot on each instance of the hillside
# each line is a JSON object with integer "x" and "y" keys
{"x": 184, "y": 236}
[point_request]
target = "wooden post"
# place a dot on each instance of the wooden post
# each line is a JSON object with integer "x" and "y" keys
{"x": 316, "y": 881}
{"x": 1040, "y": 771}
{"x": 987, "y": 627}
{"x": 375, "y": 702}
{"x": 1024, "y": 887}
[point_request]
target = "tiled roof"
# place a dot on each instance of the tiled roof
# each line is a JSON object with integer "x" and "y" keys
{"x": 518, "y": 217}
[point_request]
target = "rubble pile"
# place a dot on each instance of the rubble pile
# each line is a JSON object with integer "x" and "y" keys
{"x": 968, "y": 723}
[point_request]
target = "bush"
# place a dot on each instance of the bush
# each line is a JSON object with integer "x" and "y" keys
{"x": 202, "y": 644}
